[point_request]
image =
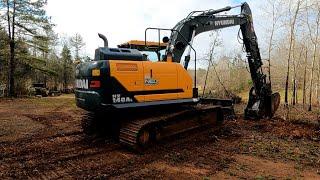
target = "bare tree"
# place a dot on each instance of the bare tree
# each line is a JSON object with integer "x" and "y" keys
{"x": 216, "y": 41}
{"x": 77, "y": 44}
{"x": 292, "y": 25}
{"x": 275, "y": 19}
{"x": 295, "y": 80}
{"x": 23, "y": 20}
{"x": 305, "y": 76}
{"x": 314, "y": 40}
{"x": 11, "y": 34}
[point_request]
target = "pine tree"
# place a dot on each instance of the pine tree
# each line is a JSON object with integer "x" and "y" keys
{"x": 24, "y": 19}
{"x": 4, "y": 56}
{"x": 67, "y": 66}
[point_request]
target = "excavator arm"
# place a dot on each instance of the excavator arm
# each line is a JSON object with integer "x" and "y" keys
{"x": 191, "y": 26}
{"x": 262, "y": 102}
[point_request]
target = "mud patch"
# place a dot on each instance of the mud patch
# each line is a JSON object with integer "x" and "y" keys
{"x": 16, "y": 127}
{"x": 185, "y": 171}
{"x": 49, "y": 116}
{"x": 248, "y": 167}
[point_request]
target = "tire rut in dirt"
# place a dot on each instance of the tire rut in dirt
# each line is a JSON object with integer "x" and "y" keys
{"x": 192, "y": 143}
{"x": 45, "y": 161}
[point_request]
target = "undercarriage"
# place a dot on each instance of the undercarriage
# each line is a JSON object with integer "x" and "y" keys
{"x": 137, "y": 128}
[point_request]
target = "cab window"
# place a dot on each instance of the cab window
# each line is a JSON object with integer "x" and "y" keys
{"x": 152, "y": 55}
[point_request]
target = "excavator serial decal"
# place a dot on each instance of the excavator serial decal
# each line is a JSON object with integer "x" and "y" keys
{"x": 224, "y": 22}
{"x": 118, "y": 98}
{"x": 82, "y": 83}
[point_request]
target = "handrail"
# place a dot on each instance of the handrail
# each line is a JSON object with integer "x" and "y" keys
{"x": 173, "y": 30}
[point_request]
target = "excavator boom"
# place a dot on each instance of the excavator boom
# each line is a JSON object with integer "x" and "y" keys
{"x": 262, "y": 102}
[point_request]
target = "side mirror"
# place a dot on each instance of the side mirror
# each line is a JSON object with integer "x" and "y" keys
{"x": 165, "y": 39}
{"x": 163, "y": 57}
{"x": 186, "y": 61}
{"x": 179, "y": 45}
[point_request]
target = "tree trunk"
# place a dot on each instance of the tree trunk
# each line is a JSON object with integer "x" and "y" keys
{"x": 207, "y": 73}
{"x": 270, "y": 45}
{"x": 12, "y": 64}
{"x": 311, "y": 78}
{"x": 9, "y": 37}
{"x": 311, "y": 81}
{"x": 11, "y": 70}
{"x": 292, "y": 28}
{"x": 64, "y": 77}
{"x": 297, "y": 88}
{"x": 45, "y": 79}
{"x": 295, "y": 81}
{"x": 304, "y": 79}
{"x": 316, "y": 83}
{"x": 294, "y": 92}
{"x": 287, "y": 86}
{"x": 315, "y": 41}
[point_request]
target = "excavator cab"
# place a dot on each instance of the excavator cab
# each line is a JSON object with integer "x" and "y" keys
{"x": 153, "y": 51}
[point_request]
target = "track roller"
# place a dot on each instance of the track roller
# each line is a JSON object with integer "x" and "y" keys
{"x": 138, "y": 134}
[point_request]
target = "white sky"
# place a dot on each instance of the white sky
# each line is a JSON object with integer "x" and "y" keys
{"x": 124, "y": 20}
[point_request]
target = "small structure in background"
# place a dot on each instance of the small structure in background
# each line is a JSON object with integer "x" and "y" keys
{"x": 3, "y": 88}
{"x": 40, "y": 89}
{"x": 54, "y": 92}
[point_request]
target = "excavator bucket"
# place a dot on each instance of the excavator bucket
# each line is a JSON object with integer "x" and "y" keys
{"x": 266, "y": 108}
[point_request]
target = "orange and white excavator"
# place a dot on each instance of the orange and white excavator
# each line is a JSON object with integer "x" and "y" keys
{"x": 140, "y": 101}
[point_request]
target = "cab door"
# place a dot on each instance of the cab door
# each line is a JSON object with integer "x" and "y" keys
{"x": 160, "y": 81}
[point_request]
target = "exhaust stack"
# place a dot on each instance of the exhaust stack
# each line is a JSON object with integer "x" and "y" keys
{"x": 104, "y": 38}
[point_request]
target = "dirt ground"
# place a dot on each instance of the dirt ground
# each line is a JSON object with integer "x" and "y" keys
{"x": 42, "y": 138}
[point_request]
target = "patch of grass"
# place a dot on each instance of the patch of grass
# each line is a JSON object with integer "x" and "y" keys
{"x": 264, "y": 177}
{"x": 67, "y": 100}
{"x": 177, "y": 157}
{"x": 298, "y": 167}
{"x": 259, "y": 177}
{"x": 242, "y": 167}
{"x": 306, "y": 154}
{"x": 225, "y": 162}
{"x": 306, "y": 122}
{"x": 232, "y": 173}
